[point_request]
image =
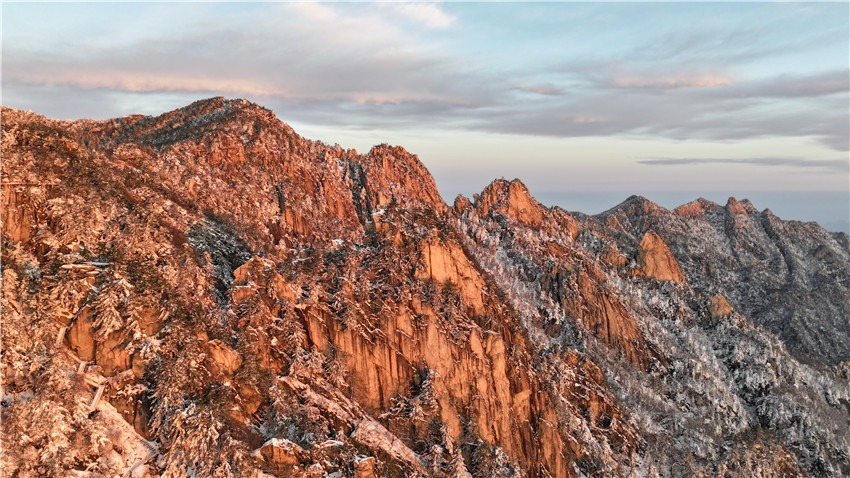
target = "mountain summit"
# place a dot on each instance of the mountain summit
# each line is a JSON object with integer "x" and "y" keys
{"x": 206, "y": 293}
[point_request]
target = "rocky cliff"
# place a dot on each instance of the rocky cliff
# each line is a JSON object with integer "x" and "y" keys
{"x": 654, "y": 297}
{"x": 206, "y": 293}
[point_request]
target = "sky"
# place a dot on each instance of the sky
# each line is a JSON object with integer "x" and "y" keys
{"x": 596, "y": 98}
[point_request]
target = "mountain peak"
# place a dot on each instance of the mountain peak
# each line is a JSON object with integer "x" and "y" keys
{"x": 744, "y": 206}
{"x": 194, "y": 121}
{"x": 402, "y": 176}
{"x": 512, "y": 199}
{"x": 633, "y": 205}
{"x": 223, "y": 105}
{"x": 695, "y": 208}
{"x": 461, "y": 204}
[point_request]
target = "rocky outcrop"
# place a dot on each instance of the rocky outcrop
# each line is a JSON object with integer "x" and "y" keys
{"x": 593, "y": 273}
{"x": 281, "y": 452}
{"x": 476, "y": 376}
{"x": 718, "y": 307}
{"x": 656, "y": 260}
{"x": 696, "y": 208}
{"x": 511, "y": 199}
{"x": 395, "y": 174}
{"x": 447, "y": 264}
{"x": 19, "y": 213}
{"x": 764, "y": 266}
{"x": 461, "y": 205}
{"x": 633, "y": 213}
{"x": 581, "y": 294}
{"x": 226, "y": 359}
{"x": 81, "y": 336}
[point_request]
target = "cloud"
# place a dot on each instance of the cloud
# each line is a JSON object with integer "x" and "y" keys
{"x": 296, "y": 53}
{"x": 139, "y": 82}
{"x": 428, "y": 14}
{"x": 548, "y": 90}
{"x": 795, "y": 86}
{"x": 800, "y": 106}
{"x": 672, "y": 81}
{"x": 395, "y": 66}
{"x": 840, "y": 165}
{"x": 688, "y": 46}
{"x": 732, "y": 42}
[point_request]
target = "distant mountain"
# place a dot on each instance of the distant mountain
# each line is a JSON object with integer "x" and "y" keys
{"x": 206, "y": 293}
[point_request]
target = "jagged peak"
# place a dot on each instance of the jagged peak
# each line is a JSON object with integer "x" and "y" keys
{"x": 389, "y": 149}
{"x": 744, "y": 206}
{"x": 402, "y": 174}
{"x": 501, "y": 188}
{"x": 461, "y": 204}
{"x": 500, "y": 184}
{"x": 770, "y": 218}
{"x": 404, "y": 158}
{"x": 747, "y": 205}
{"x": 511, "y": 198}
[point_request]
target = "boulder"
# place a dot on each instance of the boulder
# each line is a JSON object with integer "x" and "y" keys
{"x": 364, "y": 467}
{"x": 281, "y": 452}
{"x": 718, "y": 307}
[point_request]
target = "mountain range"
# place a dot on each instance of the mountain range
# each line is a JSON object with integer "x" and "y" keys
{"x": 206, "y": 293}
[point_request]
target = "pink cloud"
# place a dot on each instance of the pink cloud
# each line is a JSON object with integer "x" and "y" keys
{"x": 672, "y": 81}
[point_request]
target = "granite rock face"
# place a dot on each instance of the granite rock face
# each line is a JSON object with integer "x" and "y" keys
{"x": 653, "y": 297}
{"x": 656, "y": 260}
{"x": 206, "y": 292}
{"x": 790, "y": 277}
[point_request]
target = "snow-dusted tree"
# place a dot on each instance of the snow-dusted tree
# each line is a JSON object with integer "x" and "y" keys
{"x": 108, "y": 306}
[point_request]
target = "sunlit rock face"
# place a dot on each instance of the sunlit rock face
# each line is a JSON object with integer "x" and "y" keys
{"x": 206, "y": 293}
{"x": 656, "y": 261}
{"x": 511, "y": 199}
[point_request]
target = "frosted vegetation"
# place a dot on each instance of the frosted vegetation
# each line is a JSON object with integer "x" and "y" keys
{"x": 206, "y": 294}
{"x": 727, "y": 384}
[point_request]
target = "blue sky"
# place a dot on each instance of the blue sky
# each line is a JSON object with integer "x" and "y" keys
{"x": 620, "y": 97}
